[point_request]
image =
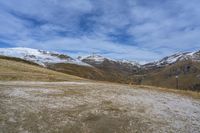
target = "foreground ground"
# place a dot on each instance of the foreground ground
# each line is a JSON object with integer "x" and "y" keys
{"x": 88, "y": 107}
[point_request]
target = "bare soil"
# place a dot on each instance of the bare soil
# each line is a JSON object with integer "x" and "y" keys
{"x": 90, "y": 107}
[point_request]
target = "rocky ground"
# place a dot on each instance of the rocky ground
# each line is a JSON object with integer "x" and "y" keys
{"x": 88, "y": 107}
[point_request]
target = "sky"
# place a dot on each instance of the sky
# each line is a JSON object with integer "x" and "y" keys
{"x": 140, "y": 30}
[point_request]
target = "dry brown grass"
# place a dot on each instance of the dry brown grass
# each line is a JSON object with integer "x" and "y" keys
{"x": 165, "y": 77}
{"x": 94, "y": 108}
{"x": 182, "y": 92}
{"x": 14, "y": 70}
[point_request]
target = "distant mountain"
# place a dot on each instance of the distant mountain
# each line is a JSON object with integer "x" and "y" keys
{"x": 163, "y": 72}
{"x": 97, "y": 60}
{"x": 133, "y": 63}
{"x": 188, "y": 72}
{"x": 43, "y": 58}
{"x": 102, "y": 69}
{"x": 94, "y": 59}
{"x": 185, "y": 56}
{"x": 112, "y": 66}
{"x": 40, "y": 57}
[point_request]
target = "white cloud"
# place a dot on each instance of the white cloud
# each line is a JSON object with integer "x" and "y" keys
{"x": 156, "y": 28}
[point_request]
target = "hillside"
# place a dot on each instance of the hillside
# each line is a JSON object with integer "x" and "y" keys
{"x": 81, "y": 71}
{"x": 188, "y": 72}
{"x": 94, "y": 73}
{"x": 122, "y": 71}
{"x": 18, "y": 69}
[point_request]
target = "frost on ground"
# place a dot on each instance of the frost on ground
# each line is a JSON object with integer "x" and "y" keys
{"x": 78, "y": 107}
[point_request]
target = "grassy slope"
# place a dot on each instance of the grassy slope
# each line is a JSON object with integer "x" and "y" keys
{"x": 18, "y": 60}
{"x": 16, "y": 69}
{"x": 81, "y": 71}
{"x": 188, "y": 71}
{"x": 103, "y": 74}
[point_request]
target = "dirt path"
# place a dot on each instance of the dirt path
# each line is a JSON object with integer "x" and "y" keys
{"x": 84, "y": 107}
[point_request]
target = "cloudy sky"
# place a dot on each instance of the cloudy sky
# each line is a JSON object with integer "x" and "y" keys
{"x": 142, "y": 30}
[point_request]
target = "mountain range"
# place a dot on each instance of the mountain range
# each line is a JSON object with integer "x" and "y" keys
{"x": 159, "y": 73}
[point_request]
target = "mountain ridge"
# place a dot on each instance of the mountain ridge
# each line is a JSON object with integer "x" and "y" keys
{"x": 181, "y": 56}
{"x": 41, "y": 57}
{"x": 96, "y": 67}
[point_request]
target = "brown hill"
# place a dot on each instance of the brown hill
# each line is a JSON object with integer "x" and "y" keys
{"x": 188, "y": 72}
{"x": 18, "y": 69}
{"x": 107, "y": 73}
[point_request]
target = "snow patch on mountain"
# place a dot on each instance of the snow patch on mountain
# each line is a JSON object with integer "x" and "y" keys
{"x": 123, "y": 61}
{"x": 98, "y": 59}
{"x": 177, "y": 57}
{"x": 194, "y": 56}
{"x": 40, "y": 57}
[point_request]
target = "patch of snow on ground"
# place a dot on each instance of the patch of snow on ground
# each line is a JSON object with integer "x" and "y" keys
{"x": 19, "y": 93}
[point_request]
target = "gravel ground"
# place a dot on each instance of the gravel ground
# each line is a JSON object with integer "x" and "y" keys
{"x": 88, "y": 107}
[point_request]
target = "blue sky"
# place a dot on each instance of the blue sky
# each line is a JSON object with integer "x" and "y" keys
{"x": 141, "y": 30}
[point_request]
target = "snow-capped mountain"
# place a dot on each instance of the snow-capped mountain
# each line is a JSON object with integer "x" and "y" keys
{"x": 40, "y": 57}
{"x": 43, "y": 58}
{"x": 98, "y": 59}
{"x": 194, "y": 56}
{"x": 112, "y": 66}
{"x": 178, "y": 57}
{"x": 134, "y": 63}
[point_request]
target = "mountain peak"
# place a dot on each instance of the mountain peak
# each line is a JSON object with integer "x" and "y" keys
{"x": 98, "y": 60}
{"x": 94, "y": 58}
{"x": 179, "y": 57}
{"x": 134, "y": 63}
{"x": 194, "y": 56}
